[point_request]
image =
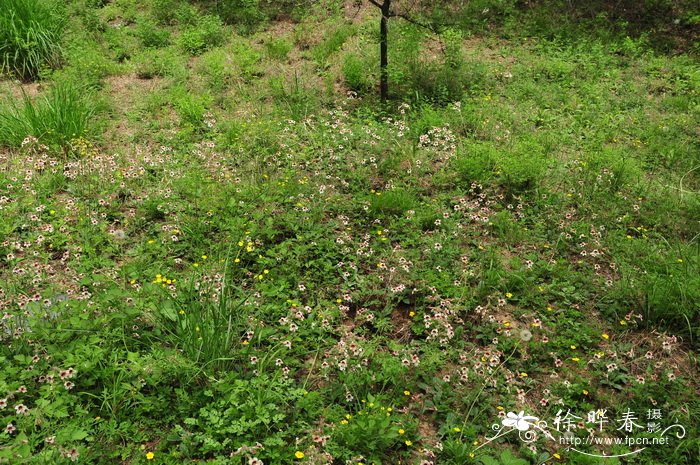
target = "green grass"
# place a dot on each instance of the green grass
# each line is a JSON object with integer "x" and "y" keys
{"x": 58, "y": 117}
{"x": 30, "y": 37}
{"x": 246, "y": 256}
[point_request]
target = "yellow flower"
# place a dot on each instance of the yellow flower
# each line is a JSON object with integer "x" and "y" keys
{"x": 509, "y": 295}
{"x": 411, "y": 314}
{"x": 523, "y": 374}
{"x": 343, "y": 422}
{"x": 556, "y": 456}
{"x": 605, "y": 336}
{"x": 204, "y": 257}
{"x": 407, "y": 393}
{"x": 408, "y": 443}
{"x": 623, "y": 322}
{"x": 456, "y": 430}
{"x": 245, "y": 343}
{"x": 585, "y": 392}
{"x": 299, "y": 454}
{"x": 575, "y": 359}
{"x": 237, "y": 260}
{"x": 401, "y": 431}
{"x": 150, "y": 456}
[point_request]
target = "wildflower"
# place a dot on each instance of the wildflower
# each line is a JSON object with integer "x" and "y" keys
{"x": 605, "y": 336}
{"x": 401, "y": 431}
{"x": 10, "y": 428}
{"x": 21, "y": 409}
{"x": 150, "y": 456}
{"x": 408, "y": 443}
{"x": 72, "y": 454}
{"x": 299, "y": 454}
{"x": 407, "y": 393}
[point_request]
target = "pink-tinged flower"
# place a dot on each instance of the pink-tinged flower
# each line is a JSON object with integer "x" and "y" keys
{"x": 520, "y": 421}
{"x": 10, "y": 428}
{"x": 21, "y": 409}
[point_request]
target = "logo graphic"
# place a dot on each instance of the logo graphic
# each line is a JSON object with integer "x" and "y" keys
{"x": 575, "y": 431}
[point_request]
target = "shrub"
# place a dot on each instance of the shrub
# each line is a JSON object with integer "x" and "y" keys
{"x": 30, "y": 36}
{"x": 57, "y": 118}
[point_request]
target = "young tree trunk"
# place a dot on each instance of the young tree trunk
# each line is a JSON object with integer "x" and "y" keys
{"x": 383, "y": 51}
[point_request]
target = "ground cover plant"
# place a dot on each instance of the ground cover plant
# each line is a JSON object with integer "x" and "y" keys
{"x": 217, "y": 244}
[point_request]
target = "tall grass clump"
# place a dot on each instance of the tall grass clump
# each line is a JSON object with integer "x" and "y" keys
{"x": 55, "y": 119}
{"x": 206, "y": 324}
{"x": 30, "y": 37}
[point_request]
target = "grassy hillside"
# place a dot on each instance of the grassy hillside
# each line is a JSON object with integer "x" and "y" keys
{"x": 218, "y": 246}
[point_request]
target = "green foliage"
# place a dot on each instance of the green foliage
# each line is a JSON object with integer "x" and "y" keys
{"x": 207, "y": 33}
{"x": 245, "y": 13}
{"x": 56, "y": 118}
{"x": 373, "y": 432}
{"x": 191, "y": 108}
{"x": 277, "y": 49}
{"x": 355, "y": 74}
{"x": 475, "y": 162}
{"x": 30, "y": 37}
{"x": 168, "y": 62}
{"x": 152, "y": 36}
{"x": 392, "y": 202}
{"x": 521, "y": 167}
{"x": 242, "y": 412}
{"x": 206, "y": 328}
{"x": 248, "y": 254}
{"x": 331, "y": 44}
